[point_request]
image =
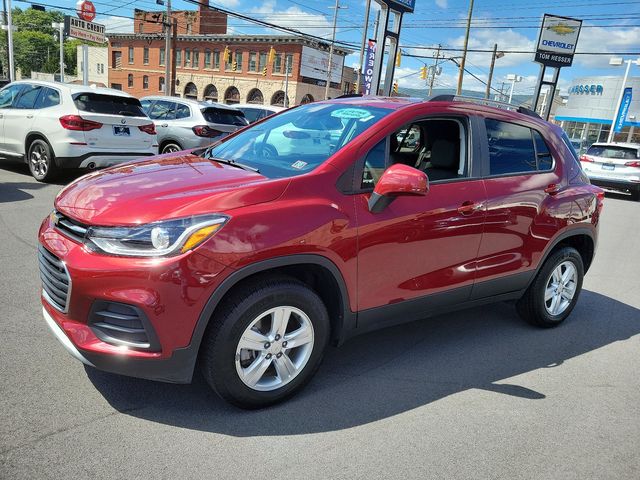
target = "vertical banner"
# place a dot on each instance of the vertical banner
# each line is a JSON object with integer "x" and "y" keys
{"x": 624, "y": 109}
{"x": 367, "y": 68}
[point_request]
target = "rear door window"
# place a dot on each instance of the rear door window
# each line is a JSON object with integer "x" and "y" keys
{"x": 28, "y": 97}
{"x": 182, "y": 111}
{"x": 516, "y": 149}
{"x": 226, "y": 117}
{"x": 108, "y": 104}
{"x": 163, "y": 110}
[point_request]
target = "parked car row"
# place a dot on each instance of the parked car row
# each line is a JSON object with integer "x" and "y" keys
{"x": 55, "y": 125}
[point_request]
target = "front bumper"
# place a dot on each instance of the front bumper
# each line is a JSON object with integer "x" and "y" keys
{"x": 171, "y": 292}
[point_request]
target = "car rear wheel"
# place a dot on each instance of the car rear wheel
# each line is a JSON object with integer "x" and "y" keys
{"x": 171, "y": 148}
{"x": 554, "y": 292}
{"x": 265, "y": 343}
{"x": 41, "y": 161}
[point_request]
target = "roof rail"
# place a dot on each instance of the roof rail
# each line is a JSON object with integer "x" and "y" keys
{"x": 484, "y": 101}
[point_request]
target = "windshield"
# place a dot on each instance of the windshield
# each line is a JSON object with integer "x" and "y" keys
{"x": 297, "y": 140}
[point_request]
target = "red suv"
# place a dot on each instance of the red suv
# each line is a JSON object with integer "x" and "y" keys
{"x": 322, "y": 222}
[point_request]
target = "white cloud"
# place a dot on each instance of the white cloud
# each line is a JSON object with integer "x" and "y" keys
{"x": 598, "y": 39}
{"x": 442, "y": 3}
{"x": 294, "y": 17}
{"x": 117, "y": 24}
{"x": 227, "y": 3}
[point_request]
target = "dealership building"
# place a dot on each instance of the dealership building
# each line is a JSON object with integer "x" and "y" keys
{"x": 589, "y": 111}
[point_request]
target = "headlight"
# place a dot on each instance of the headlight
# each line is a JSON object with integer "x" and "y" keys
{"x": 158, "y": 239}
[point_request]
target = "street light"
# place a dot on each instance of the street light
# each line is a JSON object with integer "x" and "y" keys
{"x": 617, "y": 61}
{"x": 513, "y": 78}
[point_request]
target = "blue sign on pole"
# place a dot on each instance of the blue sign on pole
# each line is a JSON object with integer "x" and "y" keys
{"x": 406, "y": 5}
{"x": 367, "y": 68}
{"x": 624, "y": 109}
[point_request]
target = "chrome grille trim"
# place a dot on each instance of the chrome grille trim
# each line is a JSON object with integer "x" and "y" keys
{"x": 72, "y": 229}
{"x": 56, "y": 282}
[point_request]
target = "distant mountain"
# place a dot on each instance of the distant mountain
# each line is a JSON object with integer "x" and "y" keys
{"x": 423, "y": 93}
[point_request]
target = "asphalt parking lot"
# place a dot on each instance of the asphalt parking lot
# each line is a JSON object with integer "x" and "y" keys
{"x": 475, "y": 394}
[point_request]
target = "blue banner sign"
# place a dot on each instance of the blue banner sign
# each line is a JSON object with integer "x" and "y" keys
{"x": 404, "y": 5}
{"x": 624, "y": 109}
{"x": 367, "y": 68}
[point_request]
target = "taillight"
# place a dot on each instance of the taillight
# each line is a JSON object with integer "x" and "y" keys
{"x": 149, "y": 128}
{"x": 586, "y": 158}
{"x": 635, "y": 163}
{"x": 76, "y": 122}
{"x": 205, "y": 131}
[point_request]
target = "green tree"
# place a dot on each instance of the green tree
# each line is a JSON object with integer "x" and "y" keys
{"x": 33, "y": 49}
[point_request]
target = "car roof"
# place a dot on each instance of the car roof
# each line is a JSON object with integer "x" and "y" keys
{"x": 190, "y": 101}
{"x": 74, "y": 88}
{"x": 617, "y": 144}
{"x": 271, "y": 108}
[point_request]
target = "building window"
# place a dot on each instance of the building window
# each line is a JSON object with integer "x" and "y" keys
{"x": 161, "y": 61}
{"x": 277, "y": 64}
{"x": 178, "y": 58}
{"x": 116, "y": 86}
{"x": 145, "y": 55}
{"x": 161, "y": 84}
{"x": 263, "y": 61}
{"x": 145, "y": 82}
{"x": 130, "y": 80}
{"x": 207, "y": 58}
{"x": 238, "y": 61}
{"x": 253, "y": 64}
{"x": 195, "y": 60}
{"x": 216, "y": 59}
{"x": 130, "y": 54}
{"x": 141, "y": 27}
{"x": 289, "y": 62}
{"x": 187, "y": 57}
{"x": 116, "y": 60}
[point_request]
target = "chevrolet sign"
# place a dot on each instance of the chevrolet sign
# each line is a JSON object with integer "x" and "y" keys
{"x": 557, "y": 41}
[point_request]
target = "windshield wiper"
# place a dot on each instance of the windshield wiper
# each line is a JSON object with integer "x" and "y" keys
{"x": 233, "y": 163}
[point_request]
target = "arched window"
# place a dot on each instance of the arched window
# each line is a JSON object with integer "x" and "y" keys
{"x": 232, "y": 95}
{"x": 307, "y": 99}
{"x": 211, "y": 93}
{"x": 191, "y": 91}
{"x": 278, "y": 99}
{"x": 255, "y": 96}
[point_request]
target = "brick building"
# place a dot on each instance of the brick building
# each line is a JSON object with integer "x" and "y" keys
{"x": 137, "y": 62}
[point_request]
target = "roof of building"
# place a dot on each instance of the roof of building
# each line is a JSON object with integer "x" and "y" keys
{"x": 279, "y": 39}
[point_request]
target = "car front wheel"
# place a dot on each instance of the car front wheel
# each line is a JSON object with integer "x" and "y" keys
{"x": 265, "y": 343}
{"x": 554, "y": 292}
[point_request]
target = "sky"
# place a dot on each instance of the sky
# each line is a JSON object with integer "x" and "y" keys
{"x": 609, "y": 26}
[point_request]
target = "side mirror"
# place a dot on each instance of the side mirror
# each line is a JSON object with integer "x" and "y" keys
{"x": 397, "y": 180}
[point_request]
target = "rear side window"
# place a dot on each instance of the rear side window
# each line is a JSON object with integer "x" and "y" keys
{"x": 622, "y": 153}
{"x": 226, "y": 117}
{"x": 182, "y": 111}
{"x": 48, "y": 98}
{"x": 253, "y": 114}
{"x": 516, "y": 149}
{"x": 108, "y": 104}
{"x": 28, "y": 98}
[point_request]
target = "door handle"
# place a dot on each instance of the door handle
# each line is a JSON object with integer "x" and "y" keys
{"x": 552, "y": 189}
{"x": 30, "y": 115}
{"x": 468, "y": 207}
{"x": 164, "y": 125}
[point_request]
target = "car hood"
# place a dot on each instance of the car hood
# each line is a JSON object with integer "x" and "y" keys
{"x": 164, "y": 187}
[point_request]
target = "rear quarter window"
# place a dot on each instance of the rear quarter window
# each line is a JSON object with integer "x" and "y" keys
{"x": 226, "y": 117}
{"x": 108, "y": 104}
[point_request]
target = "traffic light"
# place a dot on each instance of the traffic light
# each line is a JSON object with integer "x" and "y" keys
{"x": 395, "y": 88}
{"x": 234, "y": 66}
{"x": 264, "y": 71}
{"x": 423, "y": 73}
{"x": 272, "y": 55}
{"x": 398, "y": 58}
{"x": 226, "y": 55}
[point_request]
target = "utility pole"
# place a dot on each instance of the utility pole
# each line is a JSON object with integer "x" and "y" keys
{"x": 363, "y": 45}
{"x": 167, "y": 50}
{"x": 464, "y": 49}
{"x": 433, "y": 71}
{"x": 12, "y": 74}
{"x": 85, "y": 64}
{"x": 487, "y": 92}
{"x": 60, "y": 27}
{"x": 286, "y": 81}
{"x": 333, "y": 40}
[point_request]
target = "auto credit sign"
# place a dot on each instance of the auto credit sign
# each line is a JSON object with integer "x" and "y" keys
{"x": 557, "y": 41}
{"x": 78, "y": 28}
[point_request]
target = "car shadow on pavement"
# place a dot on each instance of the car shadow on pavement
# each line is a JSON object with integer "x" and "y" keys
{"x": 18, "y": 191}
{"x": 384, "y": 373}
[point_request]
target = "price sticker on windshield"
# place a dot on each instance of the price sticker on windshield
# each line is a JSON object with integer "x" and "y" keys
{"x": 351, "y": 113}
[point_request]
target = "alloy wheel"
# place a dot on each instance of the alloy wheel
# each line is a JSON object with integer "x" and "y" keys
{"x": 560, "y": 288}
{"x": 39, "y": 159}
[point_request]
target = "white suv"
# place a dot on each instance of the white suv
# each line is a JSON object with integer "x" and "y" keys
{"x": 55, "y": 125}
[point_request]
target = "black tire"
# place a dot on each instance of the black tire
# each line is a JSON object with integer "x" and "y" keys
{"x": 532, "y": 306}
{"x": 41, "y": 161}
{"x": 218, "y": 349}
{"x": 171, "y": 147}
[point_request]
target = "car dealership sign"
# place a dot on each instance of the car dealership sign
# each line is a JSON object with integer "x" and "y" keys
{"x": 557, "y": 41}
{"x": 78, "y": 28}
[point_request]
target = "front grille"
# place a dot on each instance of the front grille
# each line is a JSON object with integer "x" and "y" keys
{"x": 69, "y": 227}
{"x": 56, "y": 283}
{"x": 122, "y": 325}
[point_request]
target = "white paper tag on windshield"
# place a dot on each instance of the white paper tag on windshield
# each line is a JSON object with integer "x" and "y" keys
{"x": 299, "y": 165}
{"x": 351, "y": 113}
